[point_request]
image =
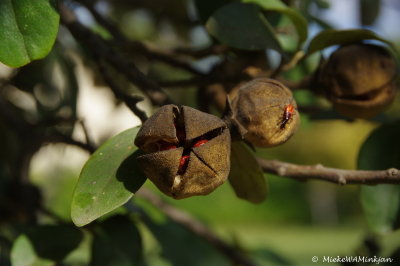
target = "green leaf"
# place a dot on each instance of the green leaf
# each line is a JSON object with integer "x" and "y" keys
{"x": 242, "y": 26}
{"x": 206, "y": 8}
{"x": 380, "y": 150}
{"x": 323, "y": 4}
{"x": 299, "y": 22}
{"x": 28, "y": 30}
{"x": 369, "y": 11}
{"x": 381, "y": 206}
{"x": 108, "y": 179}
{"x": 44, "y": 245}
{"x": 331, "y": 37}
{"x": 116, "y": 241}
{"x": 381, "y": 203}
{"x": 265, "y": 256}
{"x": 23, "y": 254}
{"x": 246, "y": 176}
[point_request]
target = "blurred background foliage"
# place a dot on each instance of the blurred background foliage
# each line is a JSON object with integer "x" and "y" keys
{"x": 44, "y": 103}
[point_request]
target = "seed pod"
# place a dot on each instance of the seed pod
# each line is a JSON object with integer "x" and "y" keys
{"x": 267, "y": 110}
{"x": 358, "y": 79}
{"x": 187, "y": 152}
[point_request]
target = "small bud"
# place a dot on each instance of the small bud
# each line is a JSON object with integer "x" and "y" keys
{"x": 358, "y": 79}
{"x": 267, "y": 110}
{"x": 194, "y": 157}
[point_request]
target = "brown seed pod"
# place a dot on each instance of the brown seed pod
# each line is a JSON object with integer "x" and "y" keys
{"x": 267, "y": 110}
{"x": 187, "y": 152}
{"x": 358, "y": 79}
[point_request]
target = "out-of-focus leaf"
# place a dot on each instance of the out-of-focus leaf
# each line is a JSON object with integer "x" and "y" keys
{"x": 23, "y": 254}
{"x": 381, "y": 203}
{"x": 28, "y": 30}
{"x": 187, "y": 248}
{"x": 117, "y": 241}
{"x": 369, "y": 11}
{"x": 331, "y": 37}
{"x": 246, "y": 176}
{"x": 108, "y": 179}
{"x": 381, "y": 206}
{"x": 267, "y": 257}
{"x": 381, "y": 150}
{"x": 175, "y": 13}
{"x": 329, "y": 114}
{"x": 299, "y": 22}
{"x": 324, "y": 4}
{"x": 322, "y": 23}
{"x": 28, "y": 76}
{"x": 242, "y": 26}
{"x": 5, "y": 250}
{"x": 52, "y": 83}
{"x": 45, "y": 245}
{"x": 206, "y": 8}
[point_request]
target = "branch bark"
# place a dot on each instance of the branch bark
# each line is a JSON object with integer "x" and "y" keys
{"x": 195, "y": 226}
{"x": 201, "y": 81}
{"x": 333, "y": 175}
{"x": 215, "y": 49}
{"x": 65, "y": 139}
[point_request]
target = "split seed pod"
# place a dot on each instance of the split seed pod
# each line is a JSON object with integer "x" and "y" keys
{"x": 267, "y": 111}
{"x": 358, "y": 79}
{"x": 187, "y": 152}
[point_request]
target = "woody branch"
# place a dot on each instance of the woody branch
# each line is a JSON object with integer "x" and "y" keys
{"x": 333, "y": 175}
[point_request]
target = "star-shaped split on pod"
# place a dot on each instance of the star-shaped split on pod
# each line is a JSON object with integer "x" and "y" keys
{"x": 186, "y": 151}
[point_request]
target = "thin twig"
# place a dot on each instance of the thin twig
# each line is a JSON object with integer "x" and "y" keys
{"x": 110, "y": 27}
{"x": 61, "y": 138}
{"x": 285, "y": 65}
{"x": 304, "y": 83}
{"x": 215, "y": 49}
{"x": 102, "y": 49}
{"x": 130, "y": 100}
{"x": 195, "y": 226}
{"x": 333, "y": 175}
{"x": 279, "y": 68}
{"x": 166, "y": 56}
{"x": 195, "y": 81}
{"x": 204, "y": 81}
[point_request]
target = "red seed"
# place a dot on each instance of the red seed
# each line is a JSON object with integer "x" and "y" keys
{"x": 200, "y": 142}
{"x": 183, "y": 164}
{"x": 184, "y": 160}
{"x": 163, "y": 146}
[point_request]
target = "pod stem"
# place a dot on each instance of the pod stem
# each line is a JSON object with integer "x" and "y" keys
{"x": 237, "y": 130}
